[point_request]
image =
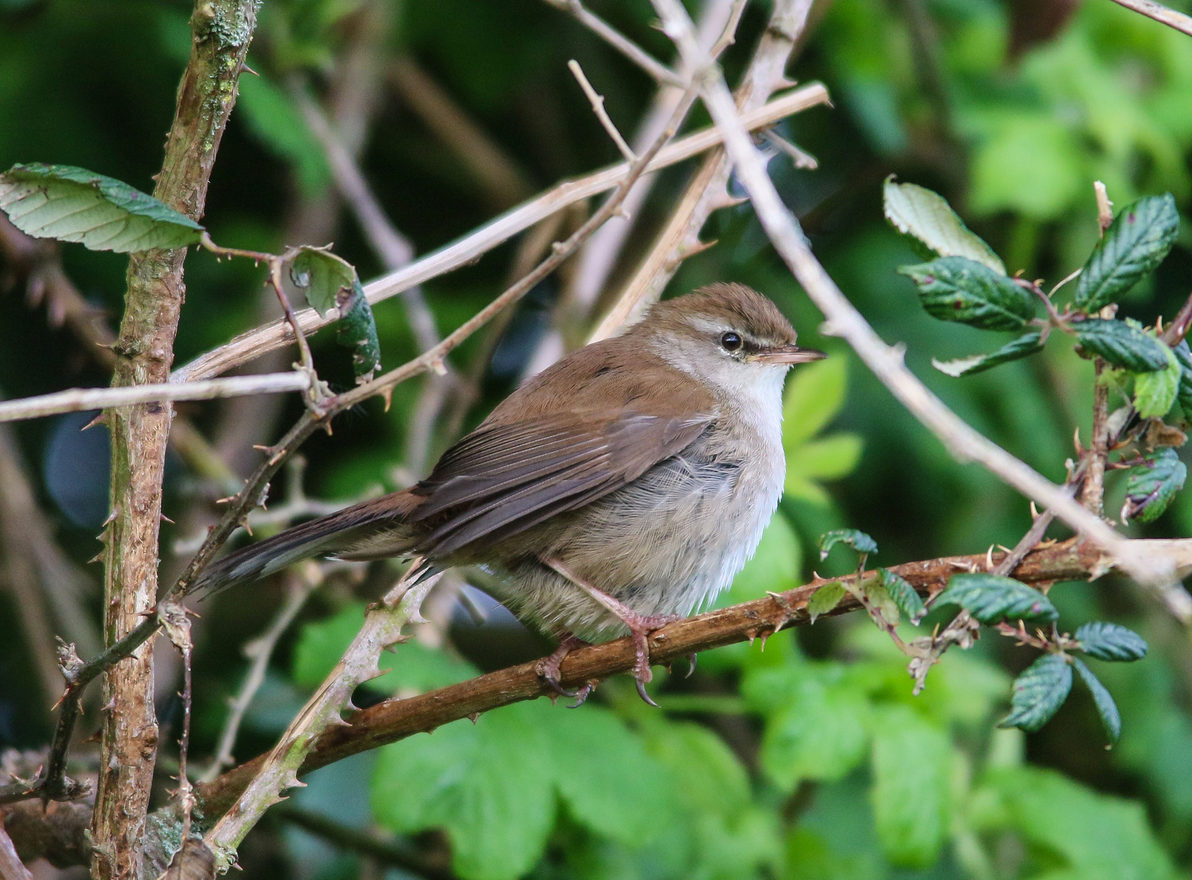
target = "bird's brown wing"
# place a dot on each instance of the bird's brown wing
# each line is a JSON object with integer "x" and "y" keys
{"x": 507, "y": 477}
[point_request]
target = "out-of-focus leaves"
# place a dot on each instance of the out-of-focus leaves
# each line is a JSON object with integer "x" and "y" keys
{"x": 1152, "y": 486}
{"x": 98, "y": 212}
{"x": 271, "y": 116}
{"x": 962, "y": 290}
{"x": 991, "y": 598}
{"x": 812, "y": 399}
{"x": 1107, "y": 710}
{"x": 1039, "y": 692}
{"x": 911, "y": 786}
{"x": 917, "y": 211}
{"x": 1024, "y": 345}
{"x": 1122, "y": 344}
{"x": 1110, "y": 641}
{"x": 1134, "y": 244}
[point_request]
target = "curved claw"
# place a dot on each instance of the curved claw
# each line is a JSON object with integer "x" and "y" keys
{"x": 641, "y": 692}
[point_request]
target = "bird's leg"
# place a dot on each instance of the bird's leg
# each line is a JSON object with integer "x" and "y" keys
{"x": 640, "y": 625}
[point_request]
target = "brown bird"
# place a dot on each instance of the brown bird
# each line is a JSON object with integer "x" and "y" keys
{"x": 616, "y": 491}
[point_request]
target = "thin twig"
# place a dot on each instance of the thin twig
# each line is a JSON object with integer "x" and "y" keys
{"x": 82, "y": 399}
{"x": 471, "y": 247}
{"x": 1160, "y": 13}
{"x": 597, "y": 101}
{"x": 618, "y": 41}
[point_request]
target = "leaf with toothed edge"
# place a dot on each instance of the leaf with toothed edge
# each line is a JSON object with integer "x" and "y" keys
{"x": 1111, "y": 717}
{"x": 1134, "y": 244}
{"x": 824, "y": 600}
{"x": 909, "y": 602}
{"x": 1153, "y": 485}
{"x": 99, "y": 212}
{"x": 1024, "y": 345}
{"x": 854, "y": 538}
{"x": 968, "y": 292}
{"x": 1121, "y": 344}
{"x": 927, "y": 217}
{"x": 1039, "y": 692}
{"x": 991, "y": 598}
{"x": 1110, "y": 641}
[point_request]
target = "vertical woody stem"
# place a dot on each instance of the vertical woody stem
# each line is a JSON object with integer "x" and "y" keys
{"x": 221, "y": 31}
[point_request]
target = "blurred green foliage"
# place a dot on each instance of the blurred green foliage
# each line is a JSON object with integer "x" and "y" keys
{"x": 805, "y": 757}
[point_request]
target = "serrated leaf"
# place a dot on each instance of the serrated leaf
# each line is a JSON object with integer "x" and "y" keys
{"x": 1155, "y": 391}
{"x": 1111, "y": 718}
{"x": 825, "y": 599}
{"x": 1152, "y": 486}
{"x": 1039, "y": 692}
{"x": 1024, "y": 345}
{"x": 1121, "y": 344}
{"x": 1110, "y": 641}
{"x": 1184, "y": 355}
{"x": 911, "y": 791}
{"x": 917, "y": 211}
{"x": 358, "y": 332}
{"x": 991, "y": 598}
{"x": 962, "y": 290}
{"x": 908, "y": 601}
{"x": 99, "y": 212}
{"x": 1133, "y": 245}
{"x": 855, "y": 538}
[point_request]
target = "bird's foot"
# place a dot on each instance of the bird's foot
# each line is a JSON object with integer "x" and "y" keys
{"x": 550, "y": 669}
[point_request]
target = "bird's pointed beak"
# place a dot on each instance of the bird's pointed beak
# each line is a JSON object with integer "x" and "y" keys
{"x": 786, "y": 354}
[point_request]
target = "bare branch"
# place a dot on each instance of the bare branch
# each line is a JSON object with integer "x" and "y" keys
{"x": 597, "y": 101}
{"x": 618, "y": 41}
{"x": 1160, "y": 13}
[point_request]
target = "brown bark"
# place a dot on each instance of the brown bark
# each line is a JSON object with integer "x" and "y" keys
{"x": 222, "y": 30}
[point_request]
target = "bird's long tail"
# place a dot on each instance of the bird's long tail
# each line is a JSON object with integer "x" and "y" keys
{"x": 370, "y": 530}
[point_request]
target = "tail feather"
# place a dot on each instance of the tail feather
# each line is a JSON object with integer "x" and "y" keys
{"x": 370, "y": 530}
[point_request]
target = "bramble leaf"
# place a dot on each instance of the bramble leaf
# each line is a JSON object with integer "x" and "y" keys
{"x": 1039, "y": 692}
{"x": 1155, "y": 391}
{"x": 1152, "y": 486}
{"x": 824, "y": 600}
{"x": 908, "y": 601}
{"x": 1133, "y": 245}
{"x": 1121, "y": 344}
{"x": 855, "y": 538}
{"x": 330, "y": 282}
{"x": 1110, "y": 641}
{"x": 1024, "y": 345}
{"x": 917, "y": 211}
{"x": 1111, "y": 718}
{"x": 963, "y": 290}
{"x": 991, "y": 598}
{"x": 96, "y": 211}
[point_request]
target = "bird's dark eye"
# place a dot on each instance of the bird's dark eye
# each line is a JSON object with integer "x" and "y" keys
{"x": 730, "y": 341}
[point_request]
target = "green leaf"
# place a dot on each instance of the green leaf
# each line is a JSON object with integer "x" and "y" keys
{"x": 917, "y": 211}
{"x": 1107, "y": 709}
{"x": 1152, "y": 486}
{"x": 812, "y": 400}
{"x": 1121, "y": 344}
{"x": 471, "y": 780}
{"x": 1133, "y": 245}
{"x": 330, "y": 282}
{"x": 101, "y": 213}
{"x": 1184, "y": 355}
{"x": 959, "y": 289}
{"x": 1155, "y": 392}
{"x": 358, "y": 332}
{"x": 908, "y": 601}
{"x": 825, "y": 599}
{"x": 324, "y": 279}
{"x": 911, "y": 794}
{"x": 856, "y": 539}
{"x": 1039, "y": 692}
{"x": 1110, "y": 641}
{"x": 819, "y": 730}
{"x": 1024, "y": 345}
{"x": 991, "y": 598}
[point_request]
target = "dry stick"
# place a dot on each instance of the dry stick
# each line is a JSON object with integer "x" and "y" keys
{"x": 596, "y": 100}
{"x": 466, "y": 250}
{"x": 1160, "y": 13}
{"x": 628, "y": 48}
{"x": 708, "y": 189}
{"x": 80, "y": 399}
{"x": 396, "y": 719}
{"x": 962, "y": 440}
